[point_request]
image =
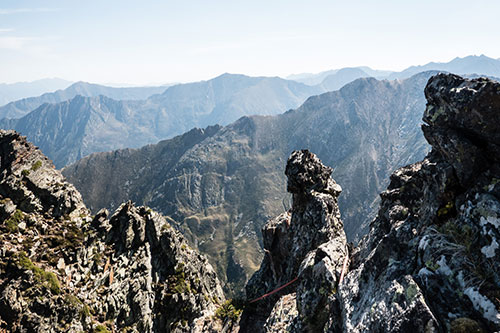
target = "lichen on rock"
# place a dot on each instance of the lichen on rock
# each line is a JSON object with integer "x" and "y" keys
{"x": 306, "y": 243}
{"x": 444, "y": 247}
{"x": 62, "y": 270}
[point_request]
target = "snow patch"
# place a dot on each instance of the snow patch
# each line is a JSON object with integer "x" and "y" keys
{"x": 483, "y": 305}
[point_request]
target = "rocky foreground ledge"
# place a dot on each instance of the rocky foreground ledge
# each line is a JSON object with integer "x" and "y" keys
{"x": 62, "y": 270}
{"x": 431, "y": 261}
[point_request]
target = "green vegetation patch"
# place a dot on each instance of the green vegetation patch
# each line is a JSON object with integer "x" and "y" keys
{"x": 37, "y": 165}
{"x": 463, "y": 235}
{"x": 12, "y": 222}
{"x": 75, "y": 302}
{"x": 177, "y": 282}
{"x": 49, "y": 279}
{"x": 101, "y": 329}
{"x": 230, "y": 310}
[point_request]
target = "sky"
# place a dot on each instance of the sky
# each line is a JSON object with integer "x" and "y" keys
{"x": 153, "y": 42}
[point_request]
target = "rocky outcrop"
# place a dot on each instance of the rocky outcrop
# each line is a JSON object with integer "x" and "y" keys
{"x": 30, "y": 181}
{"x": 61, "y": 270}
{"x": 305, "y": 246}
{"x": 431, "y": 261}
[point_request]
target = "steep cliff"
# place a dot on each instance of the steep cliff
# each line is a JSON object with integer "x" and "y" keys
{"x": 61, "y": 270}
{"x": 431, "y": 260}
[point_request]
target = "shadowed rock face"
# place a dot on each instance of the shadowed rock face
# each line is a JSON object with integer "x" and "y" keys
{"x": 61, "y": 270}
{"x": 431, "y": 260}
{"x": 308, "y": 242}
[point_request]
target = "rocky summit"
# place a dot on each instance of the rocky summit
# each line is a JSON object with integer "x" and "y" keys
{"x": 306, "y": 244}
{"x": 62, "y": 270}
{"x": 431, "y": 261}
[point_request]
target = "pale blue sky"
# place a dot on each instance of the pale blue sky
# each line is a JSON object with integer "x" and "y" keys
{"x": 178, "y": 41}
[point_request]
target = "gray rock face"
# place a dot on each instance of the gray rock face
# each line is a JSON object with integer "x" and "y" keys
{"x": 29, "y": 179}
{"x": 308, "y": 244}
{"x": 61, "y": 270}
{"x": 431, "y": 259}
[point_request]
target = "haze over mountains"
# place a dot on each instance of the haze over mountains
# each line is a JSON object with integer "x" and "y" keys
{"x": 467, "y": 65}
{"x": 19, "y": 108}
{"x": 74, "y": 128}
{"x": 13, "y": 91}
{"x": 116, "y": 121}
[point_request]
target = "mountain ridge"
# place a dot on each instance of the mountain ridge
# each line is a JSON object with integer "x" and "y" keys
{"x": 350, "y": 129}
{"x": 17, "y": 109}
{"x": 178, "y": 109}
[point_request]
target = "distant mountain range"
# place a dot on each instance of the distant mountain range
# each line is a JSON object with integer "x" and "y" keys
{"x": 221, "y": 184}
{"x": 481, "y": 65}
{"x": 13, "y": 91}
{"x": 108, "y": 118}
{"x": 69, "y": 130}
{"x": 318, "y": 78}
{"x": 19, "y": 108}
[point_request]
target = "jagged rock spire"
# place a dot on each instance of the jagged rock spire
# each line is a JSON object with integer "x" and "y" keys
{"x": 306, "y": 243}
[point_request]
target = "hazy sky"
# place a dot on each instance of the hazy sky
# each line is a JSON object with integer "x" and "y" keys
{"x": 177, "y": 41}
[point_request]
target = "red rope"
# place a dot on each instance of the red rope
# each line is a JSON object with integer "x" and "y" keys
{"x": 275, "y": 290}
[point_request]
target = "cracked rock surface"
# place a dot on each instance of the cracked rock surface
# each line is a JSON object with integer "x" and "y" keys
{"x": 62, "y": 270}
{"x": 308, "y": 243}
{"x": 431, "y": 261}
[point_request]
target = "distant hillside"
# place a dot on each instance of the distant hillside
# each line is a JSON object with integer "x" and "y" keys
{"x": 222, "y": 184}
{"x": 70, "y": 130}
{"x": 13, "y": 91}
{"x": 22, "y": 107}
{"x": 318, "y": 78}
{"x": 481, "y": 65}
{"x": 342, "y": 77}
